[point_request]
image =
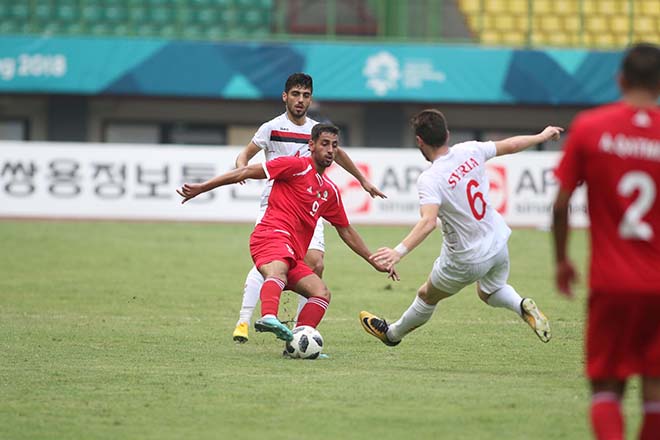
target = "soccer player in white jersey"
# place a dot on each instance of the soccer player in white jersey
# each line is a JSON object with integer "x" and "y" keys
{"x": 474, "y": 249}
{"x": 288, "y": 135}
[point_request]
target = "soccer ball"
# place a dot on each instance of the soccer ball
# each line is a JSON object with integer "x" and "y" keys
{"x": 307, "y": 343}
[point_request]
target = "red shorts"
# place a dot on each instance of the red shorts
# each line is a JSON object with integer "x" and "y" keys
{"x": 623, "y": 336}
{"x": 266, "y": 247}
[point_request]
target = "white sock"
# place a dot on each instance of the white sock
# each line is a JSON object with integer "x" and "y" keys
{"x": 417, "y": 314}
{"x": 253, "y": 283}
{"x": 301, "y": 303}
{"x": 506, "y": 297}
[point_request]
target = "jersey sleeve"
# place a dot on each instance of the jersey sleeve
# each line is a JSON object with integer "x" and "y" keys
{"x": 262, "y": 136}
{"x": 336, "y": 214}
{"x": 283, "y": 168}
{"x": 429, "y": 194}
{"x": 482, "y": 150}
{"x": 569, "y": 171}
{"x": 488, "y": 149}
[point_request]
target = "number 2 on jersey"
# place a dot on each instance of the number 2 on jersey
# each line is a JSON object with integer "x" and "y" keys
{"x": 473, "y": 196}
{"x": 632, "y": 226}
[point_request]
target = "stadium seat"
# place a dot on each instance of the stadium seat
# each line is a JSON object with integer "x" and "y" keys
{"x": 543, "y": 7}
{"x": 644, "y": 24}
{"x": 471, "y": 6}
{"x": 514, "y": 38}
{"x": 566, "y": 7}
{"x": 550, "y": 23}
{"x": 192, "y": 32}
{"x": 572, "y": 24}
{"x": 19, "y": 11}
{"x": 228, "y": 17}
{"x": 612, "y": 7}
{"x": 621, "y": 40}
{"x": 66, "y": 11}
{"x": 254, "y": 19}
{"x": 639, "y": 37}
{"x": 161, "y": 16}
{"x": 589, "y": 7}
{"x": 91, "y": 13}
{"x": 620, "y": 24}
{"x": 596, "y": 24}
{"x": 43, "y": 11}
{"x": 518, "y": 7}
{"x": 215, "y": 33}
{"x": 504, "y": 23}
{"x": 646, "y": 7}
{"x": 116, "y": 14}
{"x": 495, "y": 6}
{"x": 137, "y": 15}
{"x": 490, "y": 38}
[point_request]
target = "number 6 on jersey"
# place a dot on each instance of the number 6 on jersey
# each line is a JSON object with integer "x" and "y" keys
{"x": 474, "y": 195}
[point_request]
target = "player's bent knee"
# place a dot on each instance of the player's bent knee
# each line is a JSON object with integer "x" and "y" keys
{"x": 423, "y": 294}
{"x": 431, "y": 295}
{"x": 318, "y": 267}
{"x": 482, "y": 295}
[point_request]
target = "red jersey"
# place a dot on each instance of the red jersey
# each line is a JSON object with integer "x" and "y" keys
{"x": 299, "y": 197}
{"x": 615, "y": 150}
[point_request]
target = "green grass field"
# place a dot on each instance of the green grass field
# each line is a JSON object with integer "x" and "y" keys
{"x": 123, "y": 331}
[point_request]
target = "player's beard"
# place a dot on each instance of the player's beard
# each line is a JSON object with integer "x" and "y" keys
{"x": 327, "y": 161}
{"x": 297, "y": 112}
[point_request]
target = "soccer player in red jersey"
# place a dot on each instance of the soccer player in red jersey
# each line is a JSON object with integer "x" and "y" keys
{"x": 615, "y": 150}
{"x": 301, "y": 195}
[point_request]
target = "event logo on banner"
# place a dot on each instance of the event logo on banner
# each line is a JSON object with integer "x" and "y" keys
{"x": 356, "y": 200}
{"x": 382, "y": 73}
{"x": 498, "y": 191}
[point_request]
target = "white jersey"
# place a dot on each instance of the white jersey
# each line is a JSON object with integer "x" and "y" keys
{"x": 281, "y": 137}
{"x": 473, "y": 230}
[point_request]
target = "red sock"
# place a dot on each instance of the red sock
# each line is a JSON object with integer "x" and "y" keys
{"x": 270, "y": 296}
{"x": 312, "y": 313}
{"x": 651, "y": 423}
{"x": 606, "y": 416}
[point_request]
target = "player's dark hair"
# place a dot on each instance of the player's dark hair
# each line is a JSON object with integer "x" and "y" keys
{"x": 299, "y": 79}
{"x": 324, "y": 128}
{"x": 641, "y": 67}
{"x": 431, "y": 126}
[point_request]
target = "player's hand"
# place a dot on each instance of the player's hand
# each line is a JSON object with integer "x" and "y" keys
{"x": 390, "y": 271}
{"x": 551, "y": 132}
{"x": 189, "y": 191}
{"x": 373, "y": 190}
{"x": 565, "y": 276}
{"x": 385, "y": 256}
{"x": 393, "y": 274}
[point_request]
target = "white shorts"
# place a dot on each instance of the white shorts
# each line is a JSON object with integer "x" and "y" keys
{"x": 318, "y": 239}
{"x": 450, "y": 276}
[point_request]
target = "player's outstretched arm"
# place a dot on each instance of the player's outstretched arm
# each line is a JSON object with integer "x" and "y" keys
{"x": 565, "y": 274}
{"x": 426, "y": 224}
{"x": 344, "y": 161}
{"x": 245, "y": 155}
{"x": 354, "y": 241}
{"x": 516, "y": 144}
{"x": 191, "y": 190}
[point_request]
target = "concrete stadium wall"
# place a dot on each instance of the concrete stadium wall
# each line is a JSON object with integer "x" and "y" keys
{"x": 382, "y": 125}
